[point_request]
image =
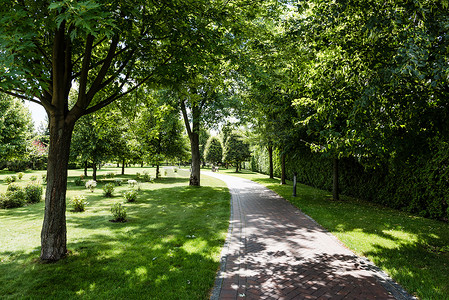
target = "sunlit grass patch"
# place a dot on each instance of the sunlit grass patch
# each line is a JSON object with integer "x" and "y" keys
{"x": 168, "y": 249}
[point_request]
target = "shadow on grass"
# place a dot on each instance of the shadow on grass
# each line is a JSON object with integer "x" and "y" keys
{"x": 168, "y": 249}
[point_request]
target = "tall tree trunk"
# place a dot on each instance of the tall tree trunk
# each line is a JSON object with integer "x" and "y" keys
{"x": 54, "y": 231}
{"x": 283, "y": 169}
{"x": 94, "y": 171}
{"x": 335, "y": 192}
{"x": 85, "y": 168}
{"x": 123, "y": 167}
{"x": 237, "y": 167}
{"x": 194, "y": 142}
{"x": 270, "y": 156}
{"x": 157, "y": 171}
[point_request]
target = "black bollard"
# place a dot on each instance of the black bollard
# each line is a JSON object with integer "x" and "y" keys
{"x": 294, "y": 184}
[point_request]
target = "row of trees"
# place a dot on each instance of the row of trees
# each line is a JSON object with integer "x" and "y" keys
{"x": 366, "y": 80}
{"x": 107, "y": 51}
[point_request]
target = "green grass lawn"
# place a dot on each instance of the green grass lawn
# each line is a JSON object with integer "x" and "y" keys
{"x": 414, "y": 251}
{"x": 169, "y": 248}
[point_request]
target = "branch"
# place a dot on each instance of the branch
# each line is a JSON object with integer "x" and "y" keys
{"x": 31, "y": 99}
{"x": 104, "y": 69}
{"x": 115, "y": 96}
{"x": 186, "y": 119}
{"x": 82, "y": 101}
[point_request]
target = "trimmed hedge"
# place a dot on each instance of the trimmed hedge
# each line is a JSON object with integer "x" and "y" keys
{"x": 419, "y": 185}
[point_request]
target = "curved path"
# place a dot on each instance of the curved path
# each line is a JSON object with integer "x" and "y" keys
{"x": 273, "y": 251}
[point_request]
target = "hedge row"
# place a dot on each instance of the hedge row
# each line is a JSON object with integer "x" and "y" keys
{"x": 419, "y": 185}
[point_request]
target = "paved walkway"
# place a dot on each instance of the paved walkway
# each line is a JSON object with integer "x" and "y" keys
{"x": 273, "y": 251}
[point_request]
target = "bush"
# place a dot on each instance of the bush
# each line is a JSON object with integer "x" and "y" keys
{"x": 138, "y": 175}
{"x": 108, "y": 189}
{"x": 13, "y": 187}
{"x": 110, "y": 174}
{"x": 118, "y": 182}
{"x": 131, "y": 196}
{"x": 20, "y": 175}
{"x": 44, "y": 177}
{"x": 33, "y": 193}
{"x": 33, "y": 178}
{"x": 10, "y": 179}
{"x": 119, "y": 212}
{"x": 146, "y": 177}
{"x": 78, "y": 181}
{"x": 78, "y": 203}
{"x": 13, "y": 198}
{"x": 91, "y": 184}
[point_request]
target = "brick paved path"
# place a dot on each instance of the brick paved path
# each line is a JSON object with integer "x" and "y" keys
{"x": 274, "y": 251}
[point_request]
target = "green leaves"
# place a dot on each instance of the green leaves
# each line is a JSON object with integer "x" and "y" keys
{"x": 85, "y": 17}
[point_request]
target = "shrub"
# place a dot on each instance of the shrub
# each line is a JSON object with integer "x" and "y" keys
{"x": 44, "y": 177}
{"x": 13, "y": 198}
{"x": 132, "y": 182}
{"x": 175, "y": 170}
{"x": 78, "y": 181}
{"x": 33, "y": 178}
{"x": 118, "y": 182}
{"x": 146, "y": 177}
{"x": 10, "y": 179}
{"x": 33, "y": 192}
{"x": 78, "y": 203}
{"x": 138, "y": 175}
{"x": 110, "y": 174}
{"x": 91, "y": 184}
{"x": 108, "y": 189}
{"x": 131, "y": 196}
{"x": 13, "y": 187}
{"x": 119, "y": 212}
{"x": 20, "y": 175}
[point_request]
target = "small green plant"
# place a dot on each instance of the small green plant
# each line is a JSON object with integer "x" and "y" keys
{"x": 146, "y": 176}
{"x": 118, "y": 182}
{"x": 33, "y": 178}
{"x": 13, "y": 187}
{"x": 110, "y": 174}
{"x": 132, "y": 182}
{"x": 165, "y": 172}
{"x": 130, "y": 196}
{"x": 20, "y": 175}
{"x": 78, "y": 181}
{"x": 138, "y": 175}
{"x": 175, "y": 170}
{"x": 15, "y": 197}
{"x": 91, "y": 185}
{"x": 10, "y": 179}
{"x": 118, "y": 212}
{"x": 108, "y": 189}
{"x": 78, "y": 203}
{"x": 33, "y": 193}
{"x": 44, "y": 177}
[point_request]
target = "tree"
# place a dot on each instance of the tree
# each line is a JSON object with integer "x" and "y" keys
{"x": 109, "y": 49}
{"x": 213, "y": 152}
{"x": 96, "y": 139}
{"x": 235, "y": 151}
{"x": 158, "y": 129}
{"x": 16, "y": 128}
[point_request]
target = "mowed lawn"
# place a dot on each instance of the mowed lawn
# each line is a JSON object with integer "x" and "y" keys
{"x": 414, "y": 251}
{"x": 169, "y": 248}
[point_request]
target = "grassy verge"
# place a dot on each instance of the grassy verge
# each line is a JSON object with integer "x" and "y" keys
{"x": 168, "y": 249}
{"x": 414, "y": 251}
